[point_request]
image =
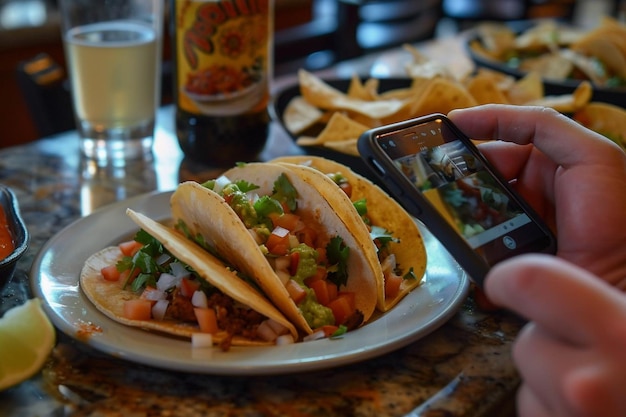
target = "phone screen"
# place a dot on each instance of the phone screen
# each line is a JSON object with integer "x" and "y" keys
{"x": 456, "y": 182}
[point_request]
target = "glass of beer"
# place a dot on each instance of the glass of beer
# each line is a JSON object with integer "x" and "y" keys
{"x": 113, "y": 52}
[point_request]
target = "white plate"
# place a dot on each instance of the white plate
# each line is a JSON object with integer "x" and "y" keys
{"x": 54, "y": 278}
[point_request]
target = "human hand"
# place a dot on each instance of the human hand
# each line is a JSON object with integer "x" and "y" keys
{"x": 572, "y": 355}
{"x": 574, "y": 178}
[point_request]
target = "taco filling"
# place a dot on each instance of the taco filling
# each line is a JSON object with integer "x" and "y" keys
{"x": 142, "y": 283}
{"x": 311, "y": 265}
{"x": 387, "y": 233}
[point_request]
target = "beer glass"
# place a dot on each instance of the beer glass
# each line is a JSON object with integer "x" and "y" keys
{"x": 113, "y": 52}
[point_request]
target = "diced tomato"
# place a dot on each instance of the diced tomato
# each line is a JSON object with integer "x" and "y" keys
{"x": 346, "y": 187}
{"x": 350, "y": 296}
{"x": 278, "y": 242}
{"x": 188, "y": 287}
{"x": 294, "y": 259}
{"x": 307, "y": 235}
{"x": 110, "y": 273}
{"x": 286, "y": 208}
{"x": 130, "y": 248}
{"x": 392, "y": 285}
{"x": 328, "y": 330}
{"x": 341, "y": 307}
{"x": 288, "y": 221}
{"x": 138, "y": 309}
{"x": 229, "y": 198}
{"x": 207, "y": 319}
{"x": 325, "y": 291}
{"x": 129, "y": 275}
{"x": 295, "y": 290}
{"x": 321, "y": 256}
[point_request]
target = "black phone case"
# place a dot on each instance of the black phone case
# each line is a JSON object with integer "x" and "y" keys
{"x": 412, "y": 200}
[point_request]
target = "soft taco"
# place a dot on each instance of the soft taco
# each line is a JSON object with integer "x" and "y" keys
{"x": 168, "y": 284}
{"x": 278, "y": 229}
{"x": 387, "y": 233}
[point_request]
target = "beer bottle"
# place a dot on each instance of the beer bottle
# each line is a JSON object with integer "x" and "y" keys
{"x": 222, "y": 51}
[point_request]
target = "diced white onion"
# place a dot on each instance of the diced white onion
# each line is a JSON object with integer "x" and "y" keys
{"x": 163, "y": 258}
{"x": 221, "y": 182}
{"x": 167, "y": 281}
{"x": 179, "y": 270}
{"x": 389, "y": 264}
{"x": 282, "y": 262}
{"x": 159, "y": 308}
{"x": 153, "y": 294}
{"x": 283, "y": 275}
{"x": 286, "y": 339}
{"x": 199, "y": 299}
{"x": 265, "y": 332}
{"x": 314, "y": 336}
{"x": 253, "y": 196}
{"x": 280, "y": 231}
{"x": 277, "y": 327}
{"x": 201, "y": 340}
{"x": 293, "y": 241}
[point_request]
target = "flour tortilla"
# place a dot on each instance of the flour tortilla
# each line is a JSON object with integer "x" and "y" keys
{"x": 382, "y": 210}
{"x": 206, "y": 213}
{"x": 109, "y": 297}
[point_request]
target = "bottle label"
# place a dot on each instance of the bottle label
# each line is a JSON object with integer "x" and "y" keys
{"x": 223, "y": 57}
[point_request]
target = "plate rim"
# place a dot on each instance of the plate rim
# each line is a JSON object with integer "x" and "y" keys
{"x": 299, "y": 357}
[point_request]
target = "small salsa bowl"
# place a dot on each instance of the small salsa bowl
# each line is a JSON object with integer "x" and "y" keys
{"x": 18, "y": 231}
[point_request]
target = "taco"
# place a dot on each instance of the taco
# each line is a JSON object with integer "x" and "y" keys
{"x": 388, "y": 234}
{"x": 171, "y": 285}
{"x": 278, "y": 229}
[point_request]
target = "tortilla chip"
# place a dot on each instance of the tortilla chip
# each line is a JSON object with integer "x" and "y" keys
{"x": 607, "y": 119}
{"x": 348, "y": 146}
{"x": 339, "y": 128}
{"x": 528, "y": 88}
{"x": 567, "y": 103}
{"x": 441, "y": 96}
{"x": 322, "y": 95}
{"x": 485, "y": 90}
{"x": 299, "y": 115}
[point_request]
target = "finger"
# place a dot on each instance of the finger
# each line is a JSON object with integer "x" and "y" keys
{"x": 592, "y": 390}
{"x": 553, "y": 133}
{"x": 508, "y": 158}
{"x": 544, "y": 363}
{"x": 566, "y": 300}
{"x": 529, "y": 405}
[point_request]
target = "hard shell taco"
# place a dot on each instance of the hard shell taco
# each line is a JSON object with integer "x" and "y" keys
{"x": 174, "y": 286}
{"x": 387, "y": 233}
{"x": 278, "y": 229}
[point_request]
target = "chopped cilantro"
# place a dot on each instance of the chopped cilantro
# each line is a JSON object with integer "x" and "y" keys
{"x": 382, "y": 237}
{"x": 337, "y": 253}
{"x": 339, "y": 332}
{"x": 285, "y": 192}
{"x": 266, "y": 205}
{"x": 245, "y": 186}
{"x": 410, "y": 274}
{"x": 144, "y": 261}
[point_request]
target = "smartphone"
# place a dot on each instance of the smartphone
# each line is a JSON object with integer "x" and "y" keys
{"x": 441, "y": 178}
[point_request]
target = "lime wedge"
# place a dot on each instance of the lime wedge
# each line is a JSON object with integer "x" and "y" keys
{"x": 26, "y": 339}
